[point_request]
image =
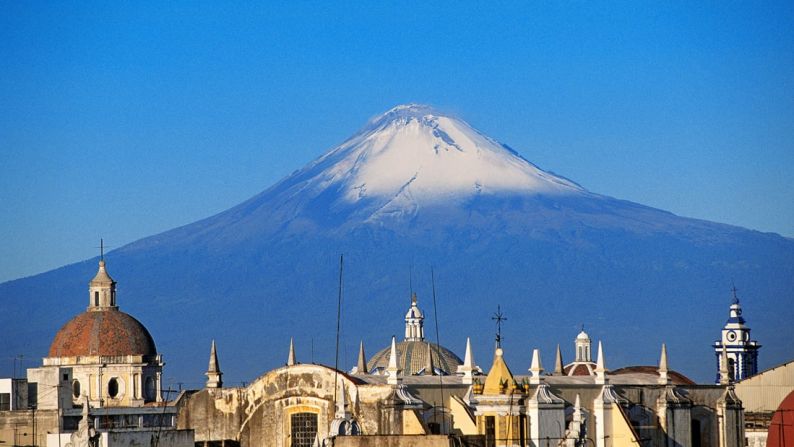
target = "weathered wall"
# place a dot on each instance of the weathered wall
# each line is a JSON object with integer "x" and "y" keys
{"x": 21, "y": 425}
{"x": 765, "y": 391}
{"x": 393, "y": 441}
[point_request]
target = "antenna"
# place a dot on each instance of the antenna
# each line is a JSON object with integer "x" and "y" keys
{"x": 438, "y": 339}
{"x": 499, "y": 318}
{"x": 410, "y": 277}
{"x": 338, "y": 320}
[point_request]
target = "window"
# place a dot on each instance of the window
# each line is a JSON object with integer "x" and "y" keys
{"x": 96, "y": 299}
{"x": 113, "y": 388}
{"x": 76, "y": 389}
{"x": 490, "y": 431}
{"x": 65, "y": 377}
{"x": 5, "y": 401}
{"x": 148, "y": 389}
{"x": 303, "y": 429}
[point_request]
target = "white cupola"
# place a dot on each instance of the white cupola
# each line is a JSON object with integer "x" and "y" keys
{"x": 414, "y": 322}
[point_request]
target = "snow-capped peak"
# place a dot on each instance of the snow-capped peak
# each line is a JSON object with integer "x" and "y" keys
{"x": 413, "y": 155}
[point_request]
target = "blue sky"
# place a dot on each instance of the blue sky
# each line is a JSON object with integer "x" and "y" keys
{"x": 121, "y": 121}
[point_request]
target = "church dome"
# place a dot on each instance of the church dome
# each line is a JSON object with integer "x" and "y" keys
{"x": 412, "y": 357}
{"x": 103, "y": 333}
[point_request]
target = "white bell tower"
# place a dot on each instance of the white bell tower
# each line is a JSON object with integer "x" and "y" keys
{"x": 742, "y": 352}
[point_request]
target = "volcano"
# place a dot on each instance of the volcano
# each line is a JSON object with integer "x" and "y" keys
{"x": 416, "y": 190}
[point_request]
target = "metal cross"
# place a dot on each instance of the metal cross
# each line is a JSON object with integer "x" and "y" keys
{"x": 734, "y": 290}
{"x": 499, "y": 318}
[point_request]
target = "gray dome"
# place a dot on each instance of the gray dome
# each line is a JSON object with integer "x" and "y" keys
{"x": 412, "y": 357}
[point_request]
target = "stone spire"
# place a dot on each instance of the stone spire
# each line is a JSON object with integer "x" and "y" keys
{"x": 558, "y": 362}
{"x": 600, "y": 368}
{"x": 102, "y": 290}
{"x": 664, "y": 379}
{"x": 361, "y": 366}
{"x": 468, "y": 368}
{"x": 536, "y": 368}
{"x": 392, "y": 369}
{"x": 291, "y": 357}
{"x": 725, "y": 375}
{"x": 430, "y": 369}
{"x": 213, "y": 370}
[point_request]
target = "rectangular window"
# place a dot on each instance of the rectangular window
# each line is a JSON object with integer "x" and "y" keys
{"x": 303, "y": 429}
{"x": 5, "y": 401}
{"x": 490, "y": 431}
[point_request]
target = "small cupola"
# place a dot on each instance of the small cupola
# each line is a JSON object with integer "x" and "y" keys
{"x": 414, "y": 322}
{"x": 102, "y": 290}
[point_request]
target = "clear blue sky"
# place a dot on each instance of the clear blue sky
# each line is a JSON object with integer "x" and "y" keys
{"x": 124, "y": 120}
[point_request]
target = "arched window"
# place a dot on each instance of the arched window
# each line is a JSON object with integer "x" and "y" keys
{"x": 96, "y": 299}
{"x": 149, "y": 389}
{"x": 76, "y": 389}
{"x": 303, "y": 429}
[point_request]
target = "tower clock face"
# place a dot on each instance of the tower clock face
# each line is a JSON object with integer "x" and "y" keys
{"x": 731, "y": 336}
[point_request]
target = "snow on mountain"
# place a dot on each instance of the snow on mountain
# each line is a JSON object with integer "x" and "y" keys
{"x": 413, "y": 155}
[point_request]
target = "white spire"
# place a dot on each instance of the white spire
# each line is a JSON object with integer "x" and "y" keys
{"x": 392, "y": 369}
{"x": 291, "y": 356}
{"x": 664, "y": 379}
{"x": 468, "y": 368}
{"x": 536, "y": 368}
{"x": 600, "y": 368}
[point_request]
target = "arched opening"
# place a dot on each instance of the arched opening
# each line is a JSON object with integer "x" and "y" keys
{"x": 148, "y": 389}
{"x": 96, "y": 299}
{"x": 76, "y": 389}
{"x": 113, "y": 388}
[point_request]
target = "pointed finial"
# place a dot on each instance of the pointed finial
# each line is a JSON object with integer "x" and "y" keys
{"x": 725, "y": 374}
{"x": 213, "y": 370}
{"x": 341, "y": 401}
{"x": 101, "y": 249}
{"x": 735, "y": 299}
{"x": 663, "y": 377}
{"x": 413, "y": 299}
{"x": 536, "y": 368}
{"x": 467, "y": 369}
{"x": 600, "y": 366}
{"x": 558, "y": 362}
{"x": 392, "y": 369}
{"x": 430, "y": 369}
{"x": 291, "y": 356}
{"x": 361, "y": 367}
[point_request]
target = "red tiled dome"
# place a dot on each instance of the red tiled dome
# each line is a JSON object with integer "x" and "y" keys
{"x": 782, "y": 424}
{"x": 106, "y": 333}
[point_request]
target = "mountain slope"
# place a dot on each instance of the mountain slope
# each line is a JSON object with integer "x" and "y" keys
{"x": 416, "y": 187}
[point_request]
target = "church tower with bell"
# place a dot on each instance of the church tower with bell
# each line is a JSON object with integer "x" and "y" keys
{"x": 741, "y": 351}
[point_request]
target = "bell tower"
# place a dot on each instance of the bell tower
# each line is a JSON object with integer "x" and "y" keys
{"x": 741, "y": 351}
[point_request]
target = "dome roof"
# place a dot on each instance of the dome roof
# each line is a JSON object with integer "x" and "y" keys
{"x": 580, "y": 369}
{"x": 105, "y": 333}
{"x": 653, "y": 371}
{"x": 412, "y": 357}
{"x": 782, "y": 424}
{"x": 583, "y": 336}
